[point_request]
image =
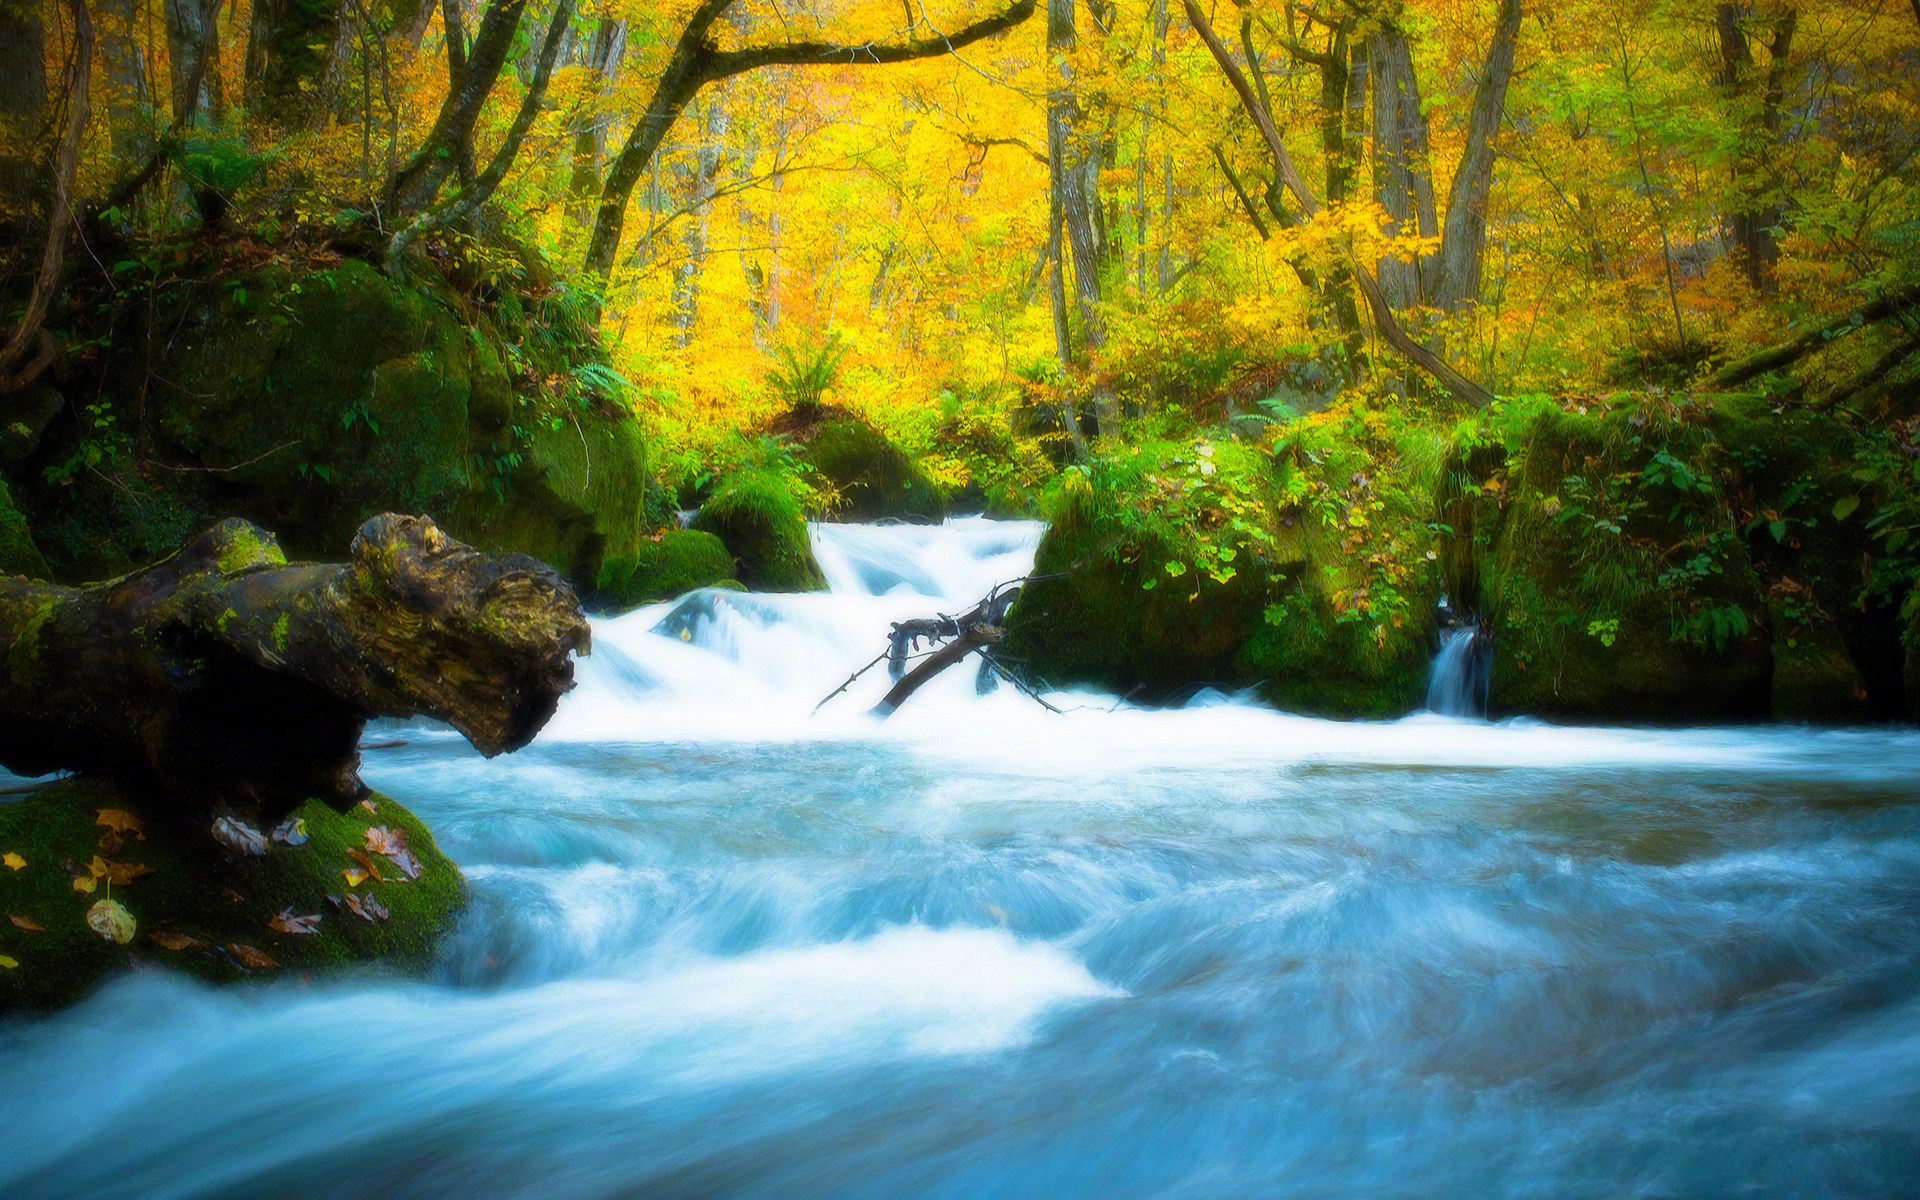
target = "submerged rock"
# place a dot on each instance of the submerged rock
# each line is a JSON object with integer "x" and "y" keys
{"x": 96, "y": 878}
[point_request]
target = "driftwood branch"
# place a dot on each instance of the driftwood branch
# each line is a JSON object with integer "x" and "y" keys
{"x": 236, "y": 681}
{"x": 979, "y": 629}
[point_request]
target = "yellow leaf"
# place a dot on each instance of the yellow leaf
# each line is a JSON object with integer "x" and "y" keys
{"x": 8, "y": 963}
{"x": 27, "y": 923}
{"x": 13, "y": 860}
{"x": 111, "y": 920}
{"x": 250, "y": 958}
{"x": 119, "y": 820}
{"x": 85, "y": 883}
{"x": 355, "y": 876}
{"x": 176, "y": 941}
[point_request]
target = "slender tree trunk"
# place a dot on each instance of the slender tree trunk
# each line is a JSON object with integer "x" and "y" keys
{"x": 23, "y": 106}
{"x": 700, "y": 187}
{"x": 1402, "y": 180}
{"x": 609, "y": 46}
{"x": 415, "y": 185}
{"x": 1751, "y": 227}
{"x": 125, "y": 66}
{"x": 193, "y": 31}
{"x": 1464, "y": 236}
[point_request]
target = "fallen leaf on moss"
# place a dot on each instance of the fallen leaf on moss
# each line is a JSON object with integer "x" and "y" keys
{"x": 27, "y": 923}
{"x": 119, "y": 820}
{"x": 367, "y": 908}
{"x": 85, "y": 883}
{"x": 239, "y": 837}
{"x": 120, "y": 874}
{"x": 286, "y": 922}
{"x": 393, "y": 844}
{"x": 250, "y": 958}
{"x": 291, "y": 832}
{"x": 13, "y": 860}
{"x": 8, "y": 963}
{"x": 111, "y": 920}
{"x": 367, "y": 865}
{"x": 355, "y": 876}
{"x": 176, "y": 941}
{"x": 232, "y": 895}
{"x": 370, "y": 806}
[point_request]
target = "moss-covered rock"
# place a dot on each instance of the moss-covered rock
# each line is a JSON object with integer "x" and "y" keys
{"x": 756, "y": 516}
{"x": 197, "y": 907}
{"x": 1814, "y": 679}
{"x": 18, "y": 554}
{"x": 1617, "y": 581}
{"x": 307, "y": 401}
{"x": 664, "y": 566}
{"x": 874, "y": 478}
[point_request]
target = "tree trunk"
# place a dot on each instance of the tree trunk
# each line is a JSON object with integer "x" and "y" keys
{"x": 1068, "y": 155}
{"x": 1402, "y": 180}
{"x": 23, "y": 107}
{"x": 590, "y": 132}
{"x": 1464, "y": 236}
{"x": 291, "y": 47}
{"x": 236, "y": 681}
{"x": 415, "y": 185}
{"x": 700, "y": 184}
{"x": 125, "y": 65}
{"x": 193, "y": 34}
{"x": 1750, "y": 229}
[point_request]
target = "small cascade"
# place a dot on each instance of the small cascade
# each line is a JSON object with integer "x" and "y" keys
{"x": 1462, "y": 671}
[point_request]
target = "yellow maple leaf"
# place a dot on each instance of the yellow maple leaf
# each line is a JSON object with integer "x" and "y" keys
{"x": 119, "y": 820}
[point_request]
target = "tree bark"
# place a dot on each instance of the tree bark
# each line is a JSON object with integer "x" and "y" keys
{"x": 290, "y": 51}
{"x": 236, "y": 681}
{"x": 23, "y": 107}
{"x": 1750, "y": 229}
{"x": 29, "y": 334}
{"x": 1463, "y": 238}
{"x": 464, "y": 205}
{"x": 415, "y": 185}
{"x": 193, "y": 60}
{"x": 700, "y": 183}
{"x": 696, "y": 61}
{"x": 1383, "y": 317}
{"x": 1402, "y": 179}
{"x": 609, "y": 46}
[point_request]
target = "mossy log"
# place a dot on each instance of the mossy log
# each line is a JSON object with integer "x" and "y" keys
{"x": 235, "y": 681}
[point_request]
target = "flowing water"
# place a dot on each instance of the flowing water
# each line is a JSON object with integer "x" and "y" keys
{"x": 721, "y": 948}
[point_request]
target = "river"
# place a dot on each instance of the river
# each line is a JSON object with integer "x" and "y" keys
{"x": 720, "y": 947}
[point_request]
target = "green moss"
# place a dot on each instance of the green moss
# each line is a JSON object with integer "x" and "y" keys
{"x": 760, "y": 522}
{"x": 680, "y": 561}
{"x": 192, "y": 889}
{"x": 18, "y": 553}
{"x": 1814, "y": 679}
{"x": 247, "y": 547}
{"x": 875, "y": 478}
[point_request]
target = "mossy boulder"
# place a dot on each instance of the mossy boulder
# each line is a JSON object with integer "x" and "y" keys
{"x": 18, "y": 554}
{"x": 757, "y": 518}
{"x": 1186, "y": 565}
{"x": 1118, "y": 621}
{"x": 874, "y": 478}
{"x": 1620, "y": 587}
{"x": 664, "y": 566}
{"x": 306, "y": 401}
{"x": 1814, "y": 679}
{"x": 198, "y": 907}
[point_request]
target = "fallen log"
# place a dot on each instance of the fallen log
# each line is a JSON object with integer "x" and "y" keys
{"x": 239, "y": 682}
{"x": 1820, "y": 336}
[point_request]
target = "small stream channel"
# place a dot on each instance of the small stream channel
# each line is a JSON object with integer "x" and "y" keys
{"x": 721, "y": 947}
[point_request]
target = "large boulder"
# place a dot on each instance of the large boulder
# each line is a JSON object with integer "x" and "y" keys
{"x": 18, "y": 553}
{"x": 763, "y": 527}
{"x": 874, "y": 478}
{"x": 308, "y": 400}
{"x": 664, "y": 566}
{"x": 187, "y": 902}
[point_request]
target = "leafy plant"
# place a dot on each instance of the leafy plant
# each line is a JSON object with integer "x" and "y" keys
{"x": 805, "y": 372}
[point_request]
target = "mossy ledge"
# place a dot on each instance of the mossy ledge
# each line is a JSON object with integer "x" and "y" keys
{"x": 195, "y": 889}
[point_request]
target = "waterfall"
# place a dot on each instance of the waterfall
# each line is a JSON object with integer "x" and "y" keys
{"x": 1461, "y": 673}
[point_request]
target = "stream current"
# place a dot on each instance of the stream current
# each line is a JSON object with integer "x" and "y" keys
{"x": 719, "y": 947}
